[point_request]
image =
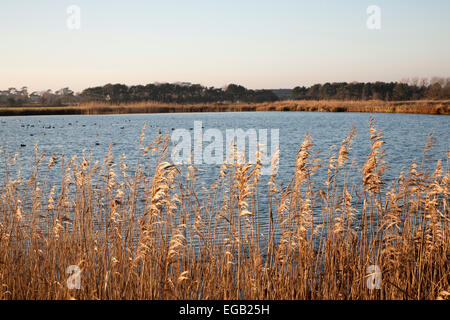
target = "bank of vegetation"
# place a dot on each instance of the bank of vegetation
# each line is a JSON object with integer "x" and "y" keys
{"x": 439, "y": 107}
{"x": 414, "y": 96}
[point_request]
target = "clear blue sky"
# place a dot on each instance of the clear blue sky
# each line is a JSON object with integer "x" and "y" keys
{"x": 259, "y": 44}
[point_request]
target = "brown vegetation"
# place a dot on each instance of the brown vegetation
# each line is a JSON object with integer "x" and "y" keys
{"x": 154, "y": 234}
{"x": 373, "y": 106}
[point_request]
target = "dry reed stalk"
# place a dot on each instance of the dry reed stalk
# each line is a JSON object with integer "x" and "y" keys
{"x": 156, "y": 233}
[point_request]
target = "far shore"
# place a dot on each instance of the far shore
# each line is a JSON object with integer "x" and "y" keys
{"x": 435, "y": 107}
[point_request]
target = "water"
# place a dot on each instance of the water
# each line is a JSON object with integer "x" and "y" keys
{"x": 405, "y": 136}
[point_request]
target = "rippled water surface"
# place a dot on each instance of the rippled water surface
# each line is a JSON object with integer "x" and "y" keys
{"x": 405, "y": 136}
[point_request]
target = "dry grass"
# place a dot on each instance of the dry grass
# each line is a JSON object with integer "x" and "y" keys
{"x": 420, "y": 107}
{"x": 373, "y": 106}
{"x": 150, "y": 232}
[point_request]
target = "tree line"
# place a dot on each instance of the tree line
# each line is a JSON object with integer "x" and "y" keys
{"x": 120, "y": 93}
{"x": 175, "y": 93}
{"x": 415, "y": 89}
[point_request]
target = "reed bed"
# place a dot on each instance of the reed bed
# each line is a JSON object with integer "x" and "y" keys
{"x": 152, "y": 231}
{"x": 374, "y": 106}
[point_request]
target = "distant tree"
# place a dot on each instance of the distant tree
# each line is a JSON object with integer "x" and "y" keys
{"x": 446, "y": 91}
{"x": 434, "y": 91}
{"x": 366, "y": 91}
{"x": 235, "y": 92}
{"x": 314, "y": 91}
{"x": 11, "y": 102}
{"x": 24, "y": 92}
{"x": 300, "y": 92}
{"x": 402, "y": 91}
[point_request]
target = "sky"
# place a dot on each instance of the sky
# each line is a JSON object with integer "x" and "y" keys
{"x": 258, "y": 44}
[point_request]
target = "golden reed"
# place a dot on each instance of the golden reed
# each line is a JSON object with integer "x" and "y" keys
{"x": 374, "y": 106}
{"x": 156, "y": 232}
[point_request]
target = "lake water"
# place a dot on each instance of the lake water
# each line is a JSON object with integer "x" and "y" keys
{"x": 405, "y": 136}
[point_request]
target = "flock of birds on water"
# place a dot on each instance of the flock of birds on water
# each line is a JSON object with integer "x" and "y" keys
{"x": 28, "y": 126}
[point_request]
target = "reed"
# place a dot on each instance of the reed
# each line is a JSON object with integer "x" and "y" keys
{"x": 373, "y": 106}
{"x": 154, "y": 232}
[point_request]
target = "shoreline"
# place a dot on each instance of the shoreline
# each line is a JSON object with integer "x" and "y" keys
{"x": 432, "y": 107}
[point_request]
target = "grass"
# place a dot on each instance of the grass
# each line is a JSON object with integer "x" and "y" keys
{"x": 420, "y": 106}
{"x": 153, "y": 232}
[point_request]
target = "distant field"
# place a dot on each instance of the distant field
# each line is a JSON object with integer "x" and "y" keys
{"x": 418, "y": 107}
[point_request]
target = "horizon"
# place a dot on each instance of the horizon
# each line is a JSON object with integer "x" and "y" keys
{"x": 259, "y": 45}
